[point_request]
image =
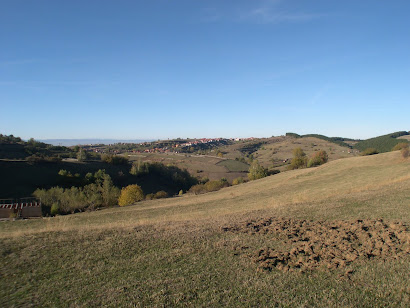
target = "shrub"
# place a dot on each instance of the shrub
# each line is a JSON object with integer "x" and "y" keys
{"x": 237, "y": 181}
{"x": 208, "y": 187}
{"x": 215, "y": 185}
{"x": 319, "y": 158}
{"x": 369, "y": 151}
{"x": 161, "y": 194}
{"x": 149, "y": 197}
{"x": 197, "y": 189}
{"x": 114, "y": 159}
{"x": 130, "y": 194}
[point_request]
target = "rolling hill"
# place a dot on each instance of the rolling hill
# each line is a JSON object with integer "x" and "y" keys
{"x": 207, "y": 249}
{"x": 383, "y": 143}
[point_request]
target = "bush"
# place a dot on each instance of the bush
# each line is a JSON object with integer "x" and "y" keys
{"x": 197, "y": 189}
{"x": 114, "y": 159}
{"x": 149, "y": 197}
{"x": 130, "y": 194}
{"x": 215, "y": 185}
{"x": 208, "y": 187}
{"x": 319, "y": 158}
{"x": 161, "y": 194}
{"x": 238, "y": 181}
{"x": 369, "y": 151}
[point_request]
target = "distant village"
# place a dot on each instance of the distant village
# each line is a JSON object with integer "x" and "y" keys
{"x": 163, "y": 146}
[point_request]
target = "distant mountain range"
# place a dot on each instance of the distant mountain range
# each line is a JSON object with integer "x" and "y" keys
{"x": 70, "y": 142}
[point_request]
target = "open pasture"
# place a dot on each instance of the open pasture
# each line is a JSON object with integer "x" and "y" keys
{"x": 184, "y": 251}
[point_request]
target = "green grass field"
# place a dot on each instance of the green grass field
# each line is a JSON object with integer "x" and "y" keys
{"x": 175, "y": 252}
{"x": 234, "y": 165}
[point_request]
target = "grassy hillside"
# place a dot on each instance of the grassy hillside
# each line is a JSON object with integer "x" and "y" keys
{"x": 383, "y": 143}
{"x": 337, "y": 140}
{"x": 188, "y": 251}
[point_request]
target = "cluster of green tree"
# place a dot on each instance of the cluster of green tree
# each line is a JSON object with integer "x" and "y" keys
{"x": 101, "y": 192}
{"x": 12, "y": 147}
{"x": 300, "y": 159}
{"x": 337, "y": 140}
{"x": 10, "y": 139}
{"x": 154, "y": 177}
{"x": 209, "y": 186}
{"x": 383, "y": 143}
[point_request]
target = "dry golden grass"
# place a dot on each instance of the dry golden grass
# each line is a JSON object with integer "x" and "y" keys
{"x": 346, "y": 179}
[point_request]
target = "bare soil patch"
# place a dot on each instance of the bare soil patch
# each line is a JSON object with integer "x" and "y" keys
{"x": 325, "y": 245}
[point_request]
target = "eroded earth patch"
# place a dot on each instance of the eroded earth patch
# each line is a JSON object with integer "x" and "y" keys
{"x": 326, "y": 244}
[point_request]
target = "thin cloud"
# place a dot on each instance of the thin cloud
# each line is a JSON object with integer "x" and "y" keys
{"x": 275, "y": 15}
{"x": 266, "y": 12}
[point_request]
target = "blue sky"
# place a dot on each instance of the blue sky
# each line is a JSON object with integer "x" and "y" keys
{"x": 196, "y": 68}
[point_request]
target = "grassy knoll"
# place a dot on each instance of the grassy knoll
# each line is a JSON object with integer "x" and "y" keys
{"x": 272, "y": 154}
{"x": 175, "y": 252}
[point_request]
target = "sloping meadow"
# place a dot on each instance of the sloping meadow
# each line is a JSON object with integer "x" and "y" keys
{"x": 337, "y": 235}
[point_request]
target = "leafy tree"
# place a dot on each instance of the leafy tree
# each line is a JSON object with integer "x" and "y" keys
{"x": 256, "y": 171}
{"x": 81, "y": 155}
{"x": 139, "y": 168}
{"x": 299, "y": 159}
{"x": 109, "y": 192}
{"x": 130, "y": 194}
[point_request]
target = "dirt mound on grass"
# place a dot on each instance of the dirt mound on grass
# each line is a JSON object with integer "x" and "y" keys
{"x": 328, "y": 245}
